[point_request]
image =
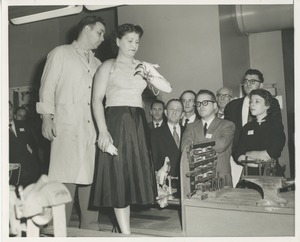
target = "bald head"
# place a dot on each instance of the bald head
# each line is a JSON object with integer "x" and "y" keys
{"x": 224, "y": 96}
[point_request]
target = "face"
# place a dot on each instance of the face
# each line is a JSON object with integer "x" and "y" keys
{"x": 95, "y": 34}
{"x": 248, "y": 86}
{"x": 157, "y": 111}
{"x": 21, "y": 114}
{"x": 174, "y": 112}
{"x": 129, "y": 44}
{"x": 208, "y": 111}
{"x": 188, "y": 101}
{"x": 258, "y": 106}
{"x": 223, "y": 97}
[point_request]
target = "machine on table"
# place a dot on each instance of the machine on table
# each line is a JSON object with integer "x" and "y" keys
{"x": 210, "y": 208}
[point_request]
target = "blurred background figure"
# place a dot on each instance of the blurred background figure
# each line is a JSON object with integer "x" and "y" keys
{"x": 21, "y": 113}
{"x": 23, "y": 151}
{"x": 157, "y": 114}
{"x": 224, "y": 96}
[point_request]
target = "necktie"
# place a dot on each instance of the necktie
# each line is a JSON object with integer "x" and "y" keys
{"x": 156, "y": 125}
{"x": 186, "y": 122}
{"x": 205, "y": 129}
{"x": 175, "y": 136}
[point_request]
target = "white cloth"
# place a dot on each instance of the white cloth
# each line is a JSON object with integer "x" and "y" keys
{"x": 65, "y": 92}
{"x": 245, "y": 110}
{"x": 236, "y": 172}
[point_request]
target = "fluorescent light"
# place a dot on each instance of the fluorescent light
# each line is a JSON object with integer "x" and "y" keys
{"x": 97, "y": 7}
{"x": 71, "y": 9}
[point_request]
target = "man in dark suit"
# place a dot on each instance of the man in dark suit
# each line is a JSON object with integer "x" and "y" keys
{"x": 23, "y": 150}
{"x": 213, "y": 128}
{"x": 165, "y": 140}
{"x": 157, "y": 114}
{"x": 237, "y": 110}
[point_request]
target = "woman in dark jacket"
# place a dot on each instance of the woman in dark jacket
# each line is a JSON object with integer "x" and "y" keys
{"x": 262, "y": 139}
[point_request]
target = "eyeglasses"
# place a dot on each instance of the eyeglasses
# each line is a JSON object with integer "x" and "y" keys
{"x": 224, "y": 95}
{"x": 252, "y": 82}
{"x": 204, "y": 103}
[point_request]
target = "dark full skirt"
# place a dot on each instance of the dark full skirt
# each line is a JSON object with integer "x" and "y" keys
{"x": 127, "y": 178}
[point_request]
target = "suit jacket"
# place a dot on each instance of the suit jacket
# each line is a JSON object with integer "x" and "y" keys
{"x": 23, "y": 150}
{"x": 163, "y": 144}
{"x": 233, "y": 112}
{"x": 222, "y": 132}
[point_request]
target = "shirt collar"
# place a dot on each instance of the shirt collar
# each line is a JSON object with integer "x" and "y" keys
{"x": 208, "y": 122}
{"x": 77, "y": 47}
{"x": 191, "y": 119}
{"x": 159, "y": 122}
{"x": 171, "y": 127}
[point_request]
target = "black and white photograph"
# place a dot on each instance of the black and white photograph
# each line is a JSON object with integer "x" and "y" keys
{"x": 149, "y": 120}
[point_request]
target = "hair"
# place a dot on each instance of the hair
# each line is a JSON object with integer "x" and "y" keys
{"x": 20, "y": 108}
{"x": 158, "y": 101}
{"x": 210, "y": 93}
{"x": 172, "y": 100}
{"x": 255, "y": 72}
{"x": 187, "y": 91}
{"x": 266, "y": 95}
{"x": 227, "y": 88}
{"x": 121, "y": 31}
{"x": 89, "y": 20}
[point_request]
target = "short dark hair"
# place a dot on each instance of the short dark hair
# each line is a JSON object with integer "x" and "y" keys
{"x": 187, "y": 91}
{"x": 172, "y": 100}
{"x": 128, "y": 28}
{"x": 266, "y": 95}
{"x": 255, "y": 72}
{"x": 89, "y": 20}
{"x": 210, "y": 93}
{"x": 121, "y": 31}
{"x": 158, "y": 101}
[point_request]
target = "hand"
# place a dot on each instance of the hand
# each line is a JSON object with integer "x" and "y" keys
{"x": 48, "y": 127}
{"x": 104, "y": 140}
{"x": 261, "y": 155}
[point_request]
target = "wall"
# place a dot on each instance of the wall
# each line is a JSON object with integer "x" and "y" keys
{"x": 30, "y": 43}
{"x": 234, "y": 49}
{"x": 183, "y": 40}
{"x": 267, "y": 56}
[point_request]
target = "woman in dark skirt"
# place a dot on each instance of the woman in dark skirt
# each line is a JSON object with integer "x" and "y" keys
{"x": 125, "y": 174}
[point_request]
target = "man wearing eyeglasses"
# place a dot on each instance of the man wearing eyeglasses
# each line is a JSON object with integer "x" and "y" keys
{"x": 237, "y": 110}
{"x": 224, "y": 96}
{"x": 210, "y": 127}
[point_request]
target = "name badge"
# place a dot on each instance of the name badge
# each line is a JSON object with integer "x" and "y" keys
{"x": 22, "y": 129}
{"x": 208, "y": 136}
{"x": 250, "y": 132}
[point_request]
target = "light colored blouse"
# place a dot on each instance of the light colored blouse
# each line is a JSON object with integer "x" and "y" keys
{"x": 124, "y": 88}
